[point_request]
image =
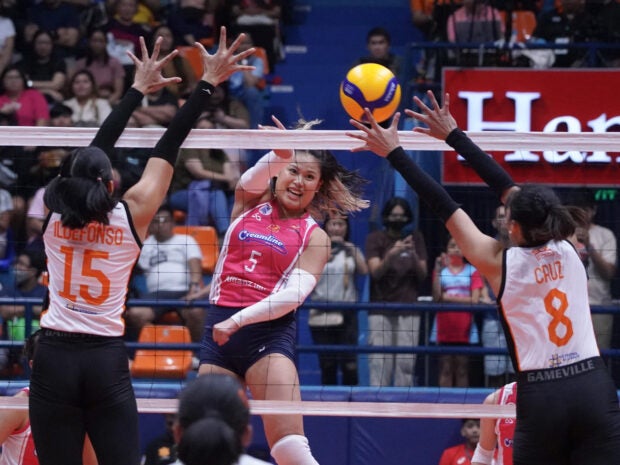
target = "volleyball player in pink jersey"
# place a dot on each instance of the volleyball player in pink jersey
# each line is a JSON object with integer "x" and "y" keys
{"x": 497, "y": 435}
{"x": 567, "y": 409}
{"x": 80, "y": 381}
{"x": 15, "y": 434}
{"x": 272, "y": 256}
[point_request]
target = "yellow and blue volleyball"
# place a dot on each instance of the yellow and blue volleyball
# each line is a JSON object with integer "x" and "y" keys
{"x": 371, "y": 86}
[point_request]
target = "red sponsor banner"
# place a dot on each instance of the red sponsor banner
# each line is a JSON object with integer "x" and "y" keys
{"x": 565, "y": 100}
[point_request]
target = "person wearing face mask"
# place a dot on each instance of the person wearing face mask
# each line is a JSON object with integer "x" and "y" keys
{"x": 397, "y": 266}
{"x": 27, "y": 271}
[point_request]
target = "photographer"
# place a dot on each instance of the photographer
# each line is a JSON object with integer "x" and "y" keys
{"x": 337, "y": 284}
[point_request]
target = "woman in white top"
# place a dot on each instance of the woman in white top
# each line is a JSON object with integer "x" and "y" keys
{"x": 567, "y": 408}
{"x": 88, "y": 109}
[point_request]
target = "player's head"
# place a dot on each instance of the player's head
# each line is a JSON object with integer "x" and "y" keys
{"x": 82, "y": 192}
{"x": 213, "y": 421}
{"x": 536, "y": 216}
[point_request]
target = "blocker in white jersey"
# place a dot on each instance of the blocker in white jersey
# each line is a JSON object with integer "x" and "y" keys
{"x": 80, "y": 383}
{"x": 567, "y": 408}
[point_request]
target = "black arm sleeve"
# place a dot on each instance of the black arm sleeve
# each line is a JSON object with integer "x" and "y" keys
{"x": 429, "y": 190}
{"x": 487, "y": 168}
{"x": 115, "y": 123}
{"x": 182, "y": 123}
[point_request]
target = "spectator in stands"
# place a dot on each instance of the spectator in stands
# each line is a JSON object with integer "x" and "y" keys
{"x": 213, "y": 423}
{"x": 227, "y": 112}
{"x": 247, "y": 86}
{"x": 497, "y": 435}
{"x": 431, "y": 16}
{"x": 88, "y": 109}
{"x": 605, "y": 16}
{"x": 567, "y": 23}
{"x": 157, "y": 109}
{"x": 124, "y": 35}
{"x": 461, "y": 454}
{"x": 172, "y": 265}
{"x": 261, "y": 18}
{"x": 455, "y": 282}
{"x": 7, "y": 38}
{"x": 192, "y": 21}
{"x": 202, "y": 178}
{"x": 337, "y": 284}
{"x": 44, "y": 69}
{"x": 162, "y": 449}
{"x": 179, "y": 66}
{"x": 397, "y": 266}
{"x": 27, "y": 273}
{"x": 378, "y": 42}
{"x": 22, "y": 105}
{"x": 107, "y": 70}
{"x": 59, "y": 18}
{"x": 598, "y": 250}
{"x": 7, "y": 240}
{"x": 497, "y": 368}
{"x": 476, "y": 22}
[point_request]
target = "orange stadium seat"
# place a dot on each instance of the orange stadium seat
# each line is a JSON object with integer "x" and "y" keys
{"x": 192, "y": 55}
{"x": 162, "y": 363}
{"x": 206, "y": 237}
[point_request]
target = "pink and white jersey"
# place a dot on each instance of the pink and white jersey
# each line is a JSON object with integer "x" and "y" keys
{"x": 505, "y": 427}
{"x": 259, "y": 252}
{"x": 18, "y": 449}
{"x": 544, "y": 300}
{"x": 89, "y": 270}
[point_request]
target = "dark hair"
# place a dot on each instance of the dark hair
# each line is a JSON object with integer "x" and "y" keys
{"x": 38, "y": 34}
{"x": 91, "y": 78}
{"x": 89, "y": 53}
{"x": 30, "y": 346}
{"x": 21, "y": 74}
{"x": 166, "y": 207}
{"x": 37, "y": 259}
{"x": 582, "y": 197}
{"x": 60, "y": 109}
{"x": 79, "y": 193}
{"x": 214, "y": 415}
{"x": 397, "y": 202}
{"x": 541, "y": 215}
{"x": 345, "y": 218}
{"x": 341, "y": 189}
{"x": 379, "y": 31}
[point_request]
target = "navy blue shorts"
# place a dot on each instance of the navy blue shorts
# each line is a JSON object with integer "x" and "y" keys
{"x": 250, "y": 343}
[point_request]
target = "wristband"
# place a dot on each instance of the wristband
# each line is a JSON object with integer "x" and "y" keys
{"x": 427, "y": 188}
{"x": 256, "y": 179}
{"x": 487, "y": 168}
{"x": 182, "y": 123}
{"x": 481, "y": 455}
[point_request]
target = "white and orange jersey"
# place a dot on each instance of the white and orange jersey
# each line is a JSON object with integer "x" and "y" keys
{"x": 544, "y": 302}
{"x": 505, "y": 427}
{"x": 89, "y": 271}
{"x": 259, "y": 252}
{"x": 18, "y": 449}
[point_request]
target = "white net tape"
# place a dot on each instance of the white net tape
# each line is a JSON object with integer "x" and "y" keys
{"x": 315, "y": 139}
{"x": 328, "y": 409}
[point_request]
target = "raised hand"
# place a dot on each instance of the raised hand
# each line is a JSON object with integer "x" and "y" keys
{"x": 148, "y": 77}
{"x": 439, "y": 120}
{"x": 218, "y": 67}
{"x": 285, "y": 154}
{"x": 376, "y": 139}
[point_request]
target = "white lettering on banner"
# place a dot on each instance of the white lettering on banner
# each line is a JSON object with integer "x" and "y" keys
{"x": 523, "y": 123}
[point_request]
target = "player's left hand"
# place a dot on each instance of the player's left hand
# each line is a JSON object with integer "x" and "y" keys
{"x": 223, "y": 330}
{"x": 376, "y": 139}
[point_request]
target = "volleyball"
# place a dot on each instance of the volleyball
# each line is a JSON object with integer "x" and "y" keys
{"x": 371, "y": 86}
